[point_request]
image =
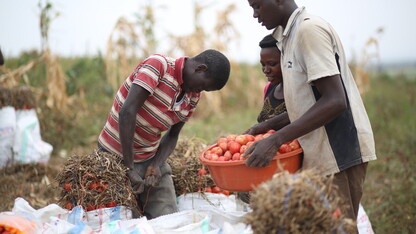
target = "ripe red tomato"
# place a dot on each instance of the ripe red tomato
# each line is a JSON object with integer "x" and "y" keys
{"x": 208, "y": 190}
{"x": 92, "y": 186}
{"x": 214, "y": 157}
{"x": 271, "y": 131}
{"x": 111, "y": 204}
{"x": 234, "y": 147}
{"x": 266, "y": 135}
{"x": 227, "y": 155}
{"x": 222, "y": 140}
{"x": 90, "y": 207}
{"x": 217, "y": 150}
{"x": 284, "y": 148}
{"x": 226, "y": 192}
{"x": 231, "y": 137}
{"x": 216, "y": 189}
{"x": 250, "y": 137}
{"x": 67, "y": 187}
{"x": 208, "y": 156}
{"x": 294, "y": 144}
{"x": 221, "y": 158}
{"x": 241, "y": 139}
{"x": 236, "y": 156}
{"x": 223, "y": 146}
{"x": 243, "y": 149}
{"x": 202, "y": 171}
{"x": 68, "y": 206}
{"x": 258, "y": 137}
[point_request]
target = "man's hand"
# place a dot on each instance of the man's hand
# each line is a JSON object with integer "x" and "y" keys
{"x": 257, "y": 129}
{"x": 152, "y": 176}
{"x": 136, "y": 181}
{"x": 262, "y": 152}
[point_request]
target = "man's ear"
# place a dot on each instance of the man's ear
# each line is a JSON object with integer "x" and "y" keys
{"x": 201, "y": 68}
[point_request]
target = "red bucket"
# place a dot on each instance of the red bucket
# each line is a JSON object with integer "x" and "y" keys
{"x": 236, "y": 176}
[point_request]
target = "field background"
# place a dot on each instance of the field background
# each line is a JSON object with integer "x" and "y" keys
{"x": 74, "y": 96}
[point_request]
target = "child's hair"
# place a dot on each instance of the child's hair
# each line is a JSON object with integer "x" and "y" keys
{"x": 218, "y": 66}
{"x": 268, "y": 41}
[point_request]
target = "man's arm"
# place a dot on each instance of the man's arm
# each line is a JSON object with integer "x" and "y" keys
{"x": 331, "y": 103}
{"x": 166, "y": 147}
{"x": 126, "y": 125}
{"x": 276, "y": 122}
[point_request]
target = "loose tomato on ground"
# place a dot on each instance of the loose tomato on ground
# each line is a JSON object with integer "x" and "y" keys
{"x": 67, "y": 186}
{"x": 68, "y": 206}
{"x": 225, "y": 192}
{"x": 111, "y": 204}
{"x": 216, "y": 189}
{"x": 208, "y": 190}
{"x": 202, "y": 171}
{"x": 92, "y": 186}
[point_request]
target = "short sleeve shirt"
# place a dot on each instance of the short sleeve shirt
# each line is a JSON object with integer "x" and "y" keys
{"x": 162, "y": 77}
{"x": 312, "y": 50}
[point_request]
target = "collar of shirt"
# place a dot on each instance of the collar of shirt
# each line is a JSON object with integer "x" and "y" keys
{"x": 280, "y": 33}
{"x": 179, "y": 65}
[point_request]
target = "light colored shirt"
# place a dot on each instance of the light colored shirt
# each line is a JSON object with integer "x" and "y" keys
{"x": 310, "y": 50}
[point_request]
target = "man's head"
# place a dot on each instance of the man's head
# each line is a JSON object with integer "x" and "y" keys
{"x": 272, "y": 13}
{"x": 270, "y": 59}
{"x": 208, "y": 71}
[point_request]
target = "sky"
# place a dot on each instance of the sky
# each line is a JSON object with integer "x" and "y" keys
{"x": 84, "y": 26}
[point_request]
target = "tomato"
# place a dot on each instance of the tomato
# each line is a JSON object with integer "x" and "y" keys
{"x": 208, "y": 190}
{"x": 294, "y": 144}
{"x": 231, "y": 137}
{"x": 90, "y": 207}
{"x": 271, "y": 131}
{"x": 202, "y": 171}
{"x": 223, "y": 146}
{"x": 221, "y": 158}
{"x": 266, "y": 135}
{"x": 228, "y": 155}
{"x": 250, "y": 137}
{"x": 243, "y": 149}
{"x": 336, "y": 214}
{"x": 208, "y": 156}
{"x": 258, "y": 137}
{"x": 101, "y": 206}
{"x": 214, "y": 157}
{"x": 236, "y": 156}
{"x": 249, "y": 143}
{"x": 216, "y": 189}
{"x": 284, "y": 148}
{"x": 92, "y": 186}
{"x": 68, "y": 206}
{"x": 217, "y": 150}
{"x": 234, "y": 147}
{"x": 221, "y": 140}
{"x": 67, "y": 187}
{"x": 111, "y": 204}
{"x": 241, "y": 139}
{"x": 225, "y": 192}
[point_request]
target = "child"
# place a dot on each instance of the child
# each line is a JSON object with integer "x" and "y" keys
{"x": 160, "y": 95}
{"x": 323, "y": 104}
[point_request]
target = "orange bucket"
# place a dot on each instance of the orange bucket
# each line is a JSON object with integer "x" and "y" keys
{"x": 236, "y": 176}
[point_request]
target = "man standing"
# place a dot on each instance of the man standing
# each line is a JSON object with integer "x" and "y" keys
{"x": 323, "y": 103}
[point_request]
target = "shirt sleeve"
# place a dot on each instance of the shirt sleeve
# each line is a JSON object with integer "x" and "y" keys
{"x": 149, "y": 72}
{"x": 316, "y": 50}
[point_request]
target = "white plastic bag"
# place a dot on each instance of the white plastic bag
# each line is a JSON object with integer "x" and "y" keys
{"x": 28, "y": 145}
{"x": 7, "y": 133}
{"x": 185, "y": 222}
{"x": 363, "y": 222}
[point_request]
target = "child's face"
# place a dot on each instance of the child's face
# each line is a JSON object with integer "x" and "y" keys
{"x": 270, "y": 63}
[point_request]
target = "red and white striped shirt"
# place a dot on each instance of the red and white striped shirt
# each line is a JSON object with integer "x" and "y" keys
{"x": 162, "y": 77}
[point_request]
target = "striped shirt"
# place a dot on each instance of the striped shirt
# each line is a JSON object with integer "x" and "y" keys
{"x": 162, "y": 77}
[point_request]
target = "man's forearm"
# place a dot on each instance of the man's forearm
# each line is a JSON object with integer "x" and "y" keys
{"x": 126, "y": 137}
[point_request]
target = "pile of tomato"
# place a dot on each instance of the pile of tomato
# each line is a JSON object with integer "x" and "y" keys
{"x": 231, "y": 148}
